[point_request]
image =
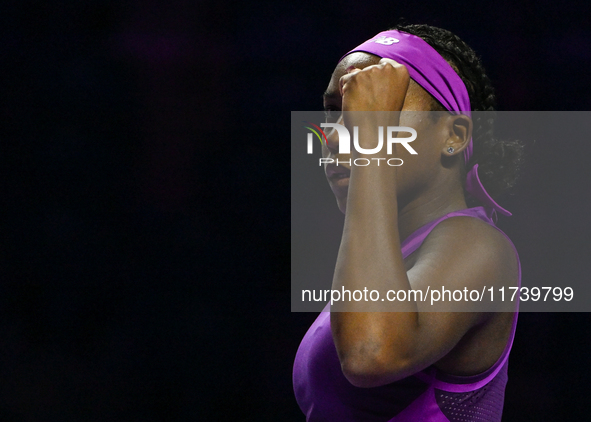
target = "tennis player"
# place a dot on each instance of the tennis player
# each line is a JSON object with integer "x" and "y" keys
{"x": 411, "y": 227}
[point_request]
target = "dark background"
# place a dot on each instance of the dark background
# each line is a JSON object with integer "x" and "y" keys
{"x": 145, "y": 246}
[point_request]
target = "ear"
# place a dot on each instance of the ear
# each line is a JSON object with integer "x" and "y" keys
{"x": 459, "y": 130}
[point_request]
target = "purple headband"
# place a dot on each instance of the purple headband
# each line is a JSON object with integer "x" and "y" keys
{"x": 431, "y": 71}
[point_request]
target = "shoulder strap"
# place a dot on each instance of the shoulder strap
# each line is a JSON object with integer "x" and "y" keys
{"x": 412, "y": 242}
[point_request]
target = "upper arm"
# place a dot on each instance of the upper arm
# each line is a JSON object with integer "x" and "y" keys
{"x": 461, "y": 254}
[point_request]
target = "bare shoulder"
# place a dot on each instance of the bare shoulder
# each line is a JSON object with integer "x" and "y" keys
{"x": 472, "y": 246}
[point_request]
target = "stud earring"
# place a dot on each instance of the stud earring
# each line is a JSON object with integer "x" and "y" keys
{"x": 451, "y": 150}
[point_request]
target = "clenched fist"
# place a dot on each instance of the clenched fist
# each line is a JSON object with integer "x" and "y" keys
{"x": 380, "y": 87}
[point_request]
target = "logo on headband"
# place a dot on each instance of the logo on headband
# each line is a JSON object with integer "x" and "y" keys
{"x": 386, "y": 40}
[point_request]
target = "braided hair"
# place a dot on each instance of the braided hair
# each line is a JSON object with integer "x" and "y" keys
{"x": 498, "y": 160}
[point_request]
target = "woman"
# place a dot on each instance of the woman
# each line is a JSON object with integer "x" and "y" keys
{"x": 409, "y": 227}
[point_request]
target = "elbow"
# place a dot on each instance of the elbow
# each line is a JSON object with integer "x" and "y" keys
{"x": 369, "y": 353}
{"x": 366, "y": 371}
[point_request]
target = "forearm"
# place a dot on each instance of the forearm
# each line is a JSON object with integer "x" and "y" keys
{"x": 370, "y": 254}
{"x": 382, "y": 340}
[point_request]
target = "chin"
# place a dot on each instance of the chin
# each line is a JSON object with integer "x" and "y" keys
{"x": 342, "y": 204}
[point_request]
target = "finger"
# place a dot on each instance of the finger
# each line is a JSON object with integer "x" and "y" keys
{"x": 352, "y": 69}
{"x": 343, "y": 80}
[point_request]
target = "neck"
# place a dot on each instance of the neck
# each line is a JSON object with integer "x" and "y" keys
{"x": 440, "y": 199}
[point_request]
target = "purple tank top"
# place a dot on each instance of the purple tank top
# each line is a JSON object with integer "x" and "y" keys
{"x": 325, "y": 395}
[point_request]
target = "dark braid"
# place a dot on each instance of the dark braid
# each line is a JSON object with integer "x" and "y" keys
{"x": 498, "y": 160}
